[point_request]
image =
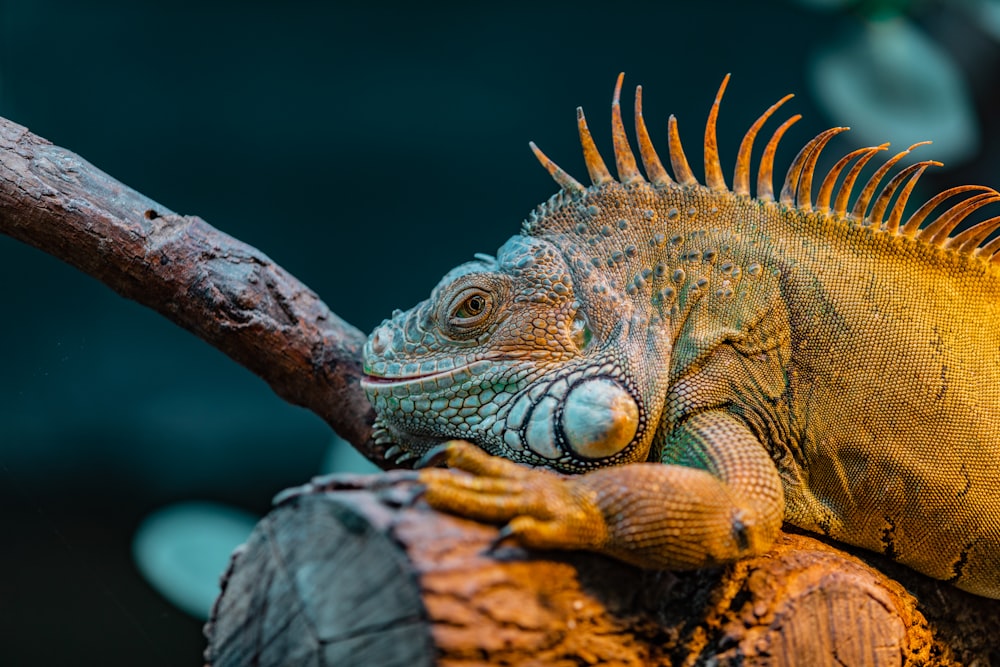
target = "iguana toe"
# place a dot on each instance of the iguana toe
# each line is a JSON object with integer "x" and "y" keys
{"x": 462, "y": 455}
{"x": 541, "y": 509}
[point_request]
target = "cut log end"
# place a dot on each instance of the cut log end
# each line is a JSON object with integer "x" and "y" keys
{"x": 320, "y": 583}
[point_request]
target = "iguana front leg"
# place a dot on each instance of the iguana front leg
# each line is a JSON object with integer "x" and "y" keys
{"x": 663, "y": 516}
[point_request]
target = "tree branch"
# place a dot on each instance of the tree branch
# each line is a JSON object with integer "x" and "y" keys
{"x": 220, "y": 289}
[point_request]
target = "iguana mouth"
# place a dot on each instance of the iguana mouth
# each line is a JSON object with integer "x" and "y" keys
{"x": 402, "y": 379}
{"x": 439, "y": 379}
{"x": 456, "y": 374}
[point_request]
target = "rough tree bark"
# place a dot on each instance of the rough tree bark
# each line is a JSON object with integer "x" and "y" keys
{"x": 217, "y": 287}
{"x": 359, "y": 571}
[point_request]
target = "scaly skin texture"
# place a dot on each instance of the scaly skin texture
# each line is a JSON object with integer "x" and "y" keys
{"x": 713, "y": 364}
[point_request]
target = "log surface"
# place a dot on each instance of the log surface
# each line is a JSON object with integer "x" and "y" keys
{"x": 460, "y": 602}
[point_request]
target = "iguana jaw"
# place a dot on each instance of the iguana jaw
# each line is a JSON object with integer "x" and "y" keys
{"x": 402, "y": 384}
{"x": 412, "y": 407}
{"x": 572, "y": 418}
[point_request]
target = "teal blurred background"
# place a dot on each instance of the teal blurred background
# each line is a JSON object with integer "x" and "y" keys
{"x": 366, "y": 149}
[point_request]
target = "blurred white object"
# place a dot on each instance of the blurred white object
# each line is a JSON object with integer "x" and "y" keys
{"x": 891, "y": 83}
{"x": 184, "y": 548}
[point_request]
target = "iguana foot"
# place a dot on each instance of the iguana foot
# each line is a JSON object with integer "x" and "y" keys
{"x": 541, "y": 509}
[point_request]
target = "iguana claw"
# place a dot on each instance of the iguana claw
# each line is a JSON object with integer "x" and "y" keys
{"x": 505, "y": 534}
{"x": 433, "y": 458}
{"x": 463, "y": 455}
{"x": 539, "y": 508}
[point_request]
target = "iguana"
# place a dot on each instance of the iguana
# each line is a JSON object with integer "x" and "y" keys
{"x": 715, "y": 363}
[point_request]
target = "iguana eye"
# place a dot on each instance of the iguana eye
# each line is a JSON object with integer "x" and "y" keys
{"x": 470, "y": 307}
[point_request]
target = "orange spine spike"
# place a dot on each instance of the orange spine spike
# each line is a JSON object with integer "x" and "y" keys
{"x": 882, "y": 200}
{"x": 974, "y": 235}
{"x": 804, "y": 164}
{"x": 861, "y": 205}
{"x": 804, "y": 191}
{"x": 741, "y": 177}
{"x": 765, "y": 173}
{"x": 840, "y": 203}
{"x": 913, "y": 224}
{"x": 881, "y": 204}
{"x": 713, "y": 168}
{"x": 650, "y": 160}
{"x": 565, "y": 181}
{"x": 628, "y": 172}
{"x": 826, "y": 188}
{"x": 938, "y": 231}
{"x": 987, "y": 251}
{"x": 682, "y": 172}
{"x": 599, "y": 174}
{"x": 904, "y": 196}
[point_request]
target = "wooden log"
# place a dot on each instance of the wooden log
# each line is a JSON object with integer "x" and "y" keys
{"x": 359, "y": 571}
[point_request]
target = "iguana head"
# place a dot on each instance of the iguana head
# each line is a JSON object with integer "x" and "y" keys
{"x": 509, "y": 354}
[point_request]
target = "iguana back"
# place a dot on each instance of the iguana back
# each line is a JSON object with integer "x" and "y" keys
{"x": 886, "y": 423}
{"x": 785, "y": 359}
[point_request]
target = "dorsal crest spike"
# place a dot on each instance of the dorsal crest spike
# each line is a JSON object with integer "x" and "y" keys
{"x": 915, "y": 220}
{"x": 897, "y": 211}
{"x": 650, "y": 160}
{"x": 803, "y": 194}
{"x": 713, "y": 168}
{"x": 628, "y": 172}
{"x": 599, "y": 174}
{"x": 989, "y": 251}
{"x": 865, "y": 198}
{"x": 840, "y": 204}
{"x": 937, "y": 231}
{"x": 741, "y": 177}
{"x": 679, "y": 163}
{"x": 802, "y": 168}
{"x": 565, "y": 181}
{"x": 882, "y": 201}
{"x": 974, "y": 235}
{"x": 826, "y": 188}
{"x": 765, "y": 173}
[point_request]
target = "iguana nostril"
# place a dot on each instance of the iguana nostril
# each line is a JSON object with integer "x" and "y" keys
{"x": 381, "y": 340}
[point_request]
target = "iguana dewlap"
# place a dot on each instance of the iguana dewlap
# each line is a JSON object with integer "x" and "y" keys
{"x": 714, "y": 364}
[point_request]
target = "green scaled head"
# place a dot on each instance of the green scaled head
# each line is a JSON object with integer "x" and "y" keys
{"x": 504, "y": 354}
